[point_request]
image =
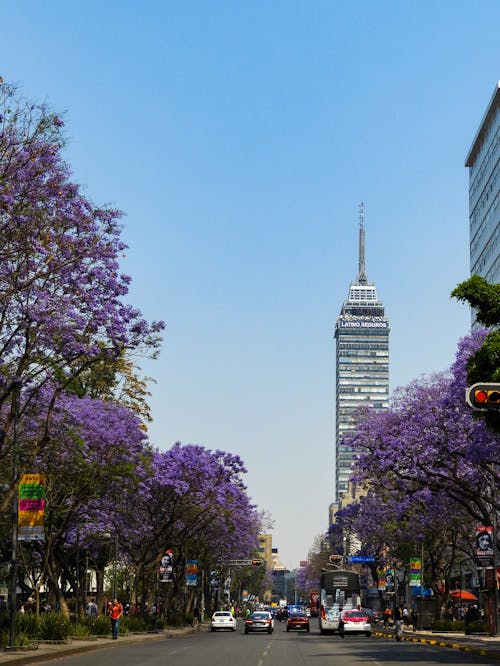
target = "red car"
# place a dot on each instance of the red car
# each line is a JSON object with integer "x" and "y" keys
{"x": 297, "y": 621}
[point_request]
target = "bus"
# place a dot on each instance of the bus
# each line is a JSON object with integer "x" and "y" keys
{"x": 339, "y": 590}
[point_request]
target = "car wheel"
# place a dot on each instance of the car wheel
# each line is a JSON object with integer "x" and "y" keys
{"x": 233, "y": 629}
{"x": 246, "y": 631}
{"x": 307, "y": 629}
{"x": 212, "y": 628}
{"x": 269, "y": 631}
{"x": 288, "y": 628}
{"x": 368, "y": 633}
{"x": 322, "y": 631}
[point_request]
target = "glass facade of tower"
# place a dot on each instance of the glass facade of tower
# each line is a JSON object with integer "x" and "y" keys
{"x": 362, "y": 369}
{"x": 483, "y": 161}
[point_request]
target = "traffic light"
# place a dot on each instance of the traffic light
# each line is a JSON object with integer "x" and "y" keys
{"x": 483, "y": 396}
{"x": 257, "y": 563}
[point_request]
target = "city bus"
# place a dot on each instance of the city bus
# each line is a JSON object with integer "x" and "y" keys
{"x": 339, "y": 590}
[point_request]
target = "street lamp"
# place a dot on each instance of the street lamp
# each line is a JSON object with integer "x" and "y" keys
{"x": 15, "y": 509}
{"x": 109, "y": 536}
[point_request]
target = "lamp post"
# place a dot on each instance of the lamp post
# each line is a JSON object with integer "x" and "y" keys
{"x": 108, "y": 535}
{"x": 15, "y": 509}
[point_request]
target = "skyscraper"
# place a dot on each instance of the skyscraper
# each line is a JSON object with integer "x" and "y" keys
{"x": 362, "y": 368}
{"x": 483, "y": 161}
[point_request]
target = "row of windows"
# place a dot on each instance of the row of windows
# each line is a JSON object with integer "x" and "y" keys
{"x": 490, "y": 248}
{"x": 360, "y": 345}
{"x": 480, "y": 239}
{"x": 485, "y": 164}
{"x": 492, "y": 186}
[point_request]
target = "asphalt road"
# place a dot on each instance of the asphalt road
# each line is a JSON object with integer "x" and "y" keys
{"x": 279, "y": 649}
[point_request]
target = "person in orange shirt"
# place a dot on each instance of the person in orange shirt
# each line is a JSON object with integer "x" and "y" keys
{"x": 115, "y": 611}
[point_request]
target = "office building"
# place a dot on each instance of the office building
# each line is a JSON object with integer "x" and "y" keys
{"x": 483, "y": 161}
{"x": 362, "y": 368}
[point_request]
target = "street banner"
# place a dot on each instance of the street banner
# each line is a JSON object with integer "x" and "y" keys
{"x": 191, "y": 572}
{"x": 167, "y": 567}
{"x": 382, "y": 581}
{"x": 484, "y": 546}
{"x": 31, "y": 508}
{"x": 415, "y": 572}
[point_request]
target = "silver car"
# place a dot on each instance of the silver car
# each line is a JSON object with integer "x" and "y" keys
{"x": 259, "y": 621}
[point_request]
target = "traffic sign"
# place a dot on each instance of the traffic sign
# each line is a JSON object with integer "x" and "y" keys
{"x": 360, "y": 559}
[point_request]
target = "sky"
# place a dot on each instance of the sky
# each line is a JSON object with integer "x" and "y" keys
{"x": 239, "y": 139}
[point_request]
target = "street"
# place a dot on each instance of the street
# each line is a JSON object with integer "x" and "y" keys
{"x": 279, "y": 649}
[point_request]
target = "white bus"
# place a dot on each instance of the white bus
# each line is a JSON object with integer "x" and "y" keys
{"x": 339, "y": 590}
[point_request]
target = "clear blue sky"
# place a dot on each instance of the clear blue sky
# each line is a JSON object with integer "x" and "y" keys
{"x": 239, "y": 139}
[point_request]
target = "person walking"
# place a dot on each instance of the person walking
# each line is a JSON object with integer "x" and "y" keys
{"x": 115, "y": 612}
{"x": 91, "y": 610}
{"x": 414, "y": 618}
{"x": 341, "y": 623}
{"x": 398, "y": 622}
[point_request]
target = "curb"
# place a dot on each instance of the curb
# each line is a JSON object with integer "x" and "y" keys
{"x": 25, "y": 659}
{"x": 483, "y": 652}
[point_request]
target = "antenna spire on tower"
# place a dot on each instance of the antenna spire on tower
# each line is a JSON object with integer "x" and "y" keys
{"x": 362, "y": 279}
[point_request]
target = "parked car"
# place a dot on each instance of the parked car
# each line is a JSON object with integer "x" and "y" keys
{"x": 297, "y": 621}
{"x": 356, "y": 622}
{"x": 259, "y": 621}
{"x": 222, "y": 620}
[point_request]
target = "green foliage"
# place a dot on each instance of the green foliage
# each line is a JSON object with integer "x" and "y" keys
{"x": 99, "y": 626}
{"x": 137, "y": 623}
{"x": 447, "y": 625}
{"x": 484, "y": 365}
{"x": 482, "y": 296}
{"x": 27, "y": 623}
{"x": 54, "y": 627}
{"x": 478, "y": 628}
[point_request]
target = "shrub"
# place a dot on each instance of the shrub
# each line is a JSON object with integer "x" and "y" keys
{"x": 446, "y": 624}
{"x": 55, "y": 627}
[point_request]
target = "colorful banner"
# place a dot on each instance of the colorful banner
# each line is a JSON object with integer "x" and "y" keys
{"x": 31, "y": 508}
{"x": 415, "y": 572}
{"x": 484, "y": 545}
{"x": 167, "y": 567}
{"x": 382, "y": 581}
{"x": 191, "y": 572}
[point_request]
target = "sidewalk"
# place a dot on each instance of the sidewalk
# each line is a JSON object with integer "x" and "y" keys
{"x": 44, "y": 651}
{"x": 477, "y": 644}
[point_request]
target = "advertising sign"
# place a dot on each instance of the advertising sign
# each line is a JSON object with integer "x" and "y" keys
{"x": 167, "y": 567}
{"x": 484, "y": 546}
{"x": 31, "y": 508}
{"x": 382, "y": 580}
{"x": 415, "y": 572}
{"x": 191, "y": 572}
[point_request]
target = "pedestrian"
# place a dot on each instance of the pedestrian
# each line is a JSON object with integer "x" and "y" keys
{"x": 341, "y": 623}
{"x": 414, "y": 618}
{"x": 387, "y": 616}
{"x": 406, "y": 618}
{"x": 398, "y": 622}
{"x": 91, "y": 609}
{"x": 3, "y": 603}
{"x": 115, "y": 611}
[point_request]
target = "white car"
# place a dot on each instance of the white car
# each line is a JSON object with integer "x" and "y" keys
{"x": 222, "y": 620}
{"x": 357, "y": 622}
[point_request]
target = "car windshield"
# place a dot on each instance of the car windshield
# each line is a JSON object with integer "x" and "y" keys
{"x": 260, "y": 616}
{"x": 355, "y": 614}
{"x": 222, "y": 614}
{"x": 298, "y": 615}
